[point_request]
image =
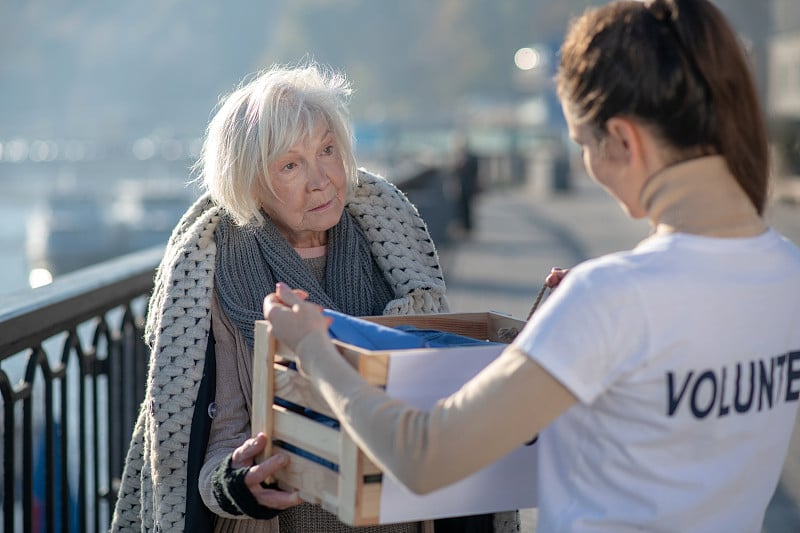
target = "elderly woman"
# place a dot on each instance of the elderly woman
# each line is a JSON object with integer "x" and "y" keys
{"x": 286, "y": 203}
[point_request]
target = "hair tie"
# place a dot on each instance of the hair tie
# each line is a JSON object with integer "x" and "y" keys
{"x": 661, "y": 10}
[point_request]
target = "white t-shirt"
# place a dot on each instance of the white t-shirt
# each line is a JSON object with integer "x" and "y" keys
{"x": 685, "y": 357}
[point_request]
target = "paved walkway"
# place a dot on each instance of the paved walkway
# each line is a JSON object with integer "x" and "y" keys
{"x": 521, "y": 232}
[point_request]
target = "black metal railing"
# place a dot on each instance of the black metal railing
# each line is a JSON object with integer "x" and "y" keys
{"x": 73, "y": 366}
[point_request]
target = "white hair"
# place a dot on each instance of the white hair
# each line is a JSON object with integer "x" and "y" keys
{"x": 260, "y": 121}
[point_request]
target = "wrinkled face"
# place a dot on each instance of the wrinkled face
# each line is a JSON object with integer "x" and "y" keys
{"x": 310, "y": 185}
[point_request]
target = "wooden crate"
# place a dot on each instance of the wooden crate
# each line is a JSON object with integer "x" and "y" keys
{"x": 353, "y": 492}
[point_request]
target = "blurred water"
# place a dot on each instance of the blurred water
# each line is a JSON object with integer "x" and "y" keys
{"x": 13, "y": 271}
{"x": 121, "y": 188}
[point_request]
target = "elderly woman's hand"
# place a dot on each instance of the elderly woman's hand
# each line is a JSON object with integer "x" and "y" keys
{"x": 290, "y": 317}
{"x": 257, "y": 474}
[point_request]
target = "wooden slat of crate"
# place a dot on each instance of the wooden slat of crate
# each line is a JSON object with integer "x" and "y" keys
{"x": 264, "y": 347}
{"x": 351, "y": 481}
{"x": 321, "y": 485}
{"x": 469, "y": 324}
{"x": 368, "y": 468}
{"x": 490, "y": 326}
{"x": 373, "y": 366}
{"x": 306, "y": 434}
{"x": 503, "y": 328}
{"x": 296, "y": 389}
{"x": 315, "y": 483}
{"x": 292, "y": 387}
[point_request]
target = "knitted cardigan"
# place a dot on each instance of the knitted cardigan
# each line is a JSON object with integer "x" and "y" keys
{"x": 152, "y": 494}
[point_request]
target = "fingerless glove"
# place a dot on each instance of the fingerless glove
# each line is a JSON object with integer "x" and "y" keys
{"x": 233, "y": 495}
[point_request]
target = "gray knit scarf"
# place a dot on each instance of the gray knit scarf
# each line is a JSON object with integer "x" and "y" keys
{"x": 251, "y": 259}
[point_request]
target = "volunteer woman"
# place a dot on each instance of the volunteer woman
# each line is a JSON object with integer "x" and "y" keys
{"x": 664, "y": 380}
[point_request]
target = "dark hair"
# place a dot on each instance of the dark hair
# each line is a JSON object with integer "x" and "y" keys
{"x": 677, "y": 66}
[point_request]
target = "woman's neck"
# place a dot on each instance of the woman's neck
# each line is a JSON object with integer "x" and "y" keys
{"x": 313, "y": 252}
{"x": 701, "y": 197}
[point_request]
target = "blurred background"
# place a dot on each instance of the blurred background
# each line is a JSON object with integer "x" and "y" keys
{"x": 103, "y": 104}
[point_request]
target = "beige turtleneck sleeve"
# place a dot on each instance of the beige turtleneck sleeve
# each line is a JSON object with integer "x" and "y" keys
{"x": 425, "y": 450}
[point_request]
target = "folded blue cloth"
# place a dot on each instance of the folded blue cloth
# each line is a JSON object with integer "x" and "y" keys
{"x": 433, "y": 338}
{"x": 372, "y": 336}
{"x": 369, "y": 335}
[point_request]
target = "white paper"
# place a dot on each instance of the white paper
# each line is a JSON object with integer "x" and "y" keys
{"x": 421, "y": 379}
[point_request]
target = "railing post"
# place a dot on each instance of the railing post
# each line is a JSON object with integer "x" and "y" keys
{"x": 60, "y": 435}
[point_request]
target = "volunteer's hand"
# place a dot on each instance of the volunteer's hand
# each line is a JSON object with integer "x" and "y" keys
{"x": 555, "y": 276}
{"x": 271, "y": 497}
{"x": 290, "y": 317}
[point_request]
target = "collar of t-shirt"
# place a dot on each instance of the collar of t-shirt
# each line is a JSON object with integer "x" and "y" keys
{"x": 312, "y": 253}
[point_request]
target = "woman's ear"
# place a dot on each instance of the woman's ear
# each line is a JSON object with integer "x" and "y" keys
{"x": 622, "y": 141}
{"x": 636, "y": 145}
{"x": 637, "y": 158}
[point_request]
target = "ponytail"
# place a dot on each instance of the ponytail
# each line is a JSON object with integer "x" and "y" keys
{"x": 721, "y": 61}
{"x": 677, "y": 66}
